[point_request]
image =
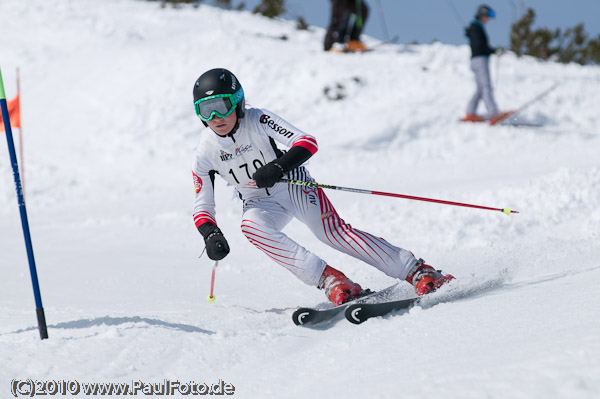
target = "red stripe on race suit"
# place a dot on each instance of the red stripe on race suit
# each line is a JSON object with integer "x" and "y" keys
{"x": 307, "y": 142}
{"x": 202, "y": 217}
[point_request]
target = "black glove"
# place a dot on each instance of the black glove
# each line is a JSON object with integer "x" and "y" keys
{"x": 268, "y": 175}
{"x": 216, "y": 244}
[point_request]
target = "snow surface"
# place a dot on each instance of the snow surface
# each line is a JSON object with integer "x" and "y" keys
{"x": 109, "y": 128}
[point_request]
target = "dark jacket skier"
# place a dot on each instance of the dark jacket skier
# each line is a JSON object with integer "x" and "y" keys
{"x": 347, "y": 21}
{"x": 478, "y": 39}
{"x": 480, "y": 52}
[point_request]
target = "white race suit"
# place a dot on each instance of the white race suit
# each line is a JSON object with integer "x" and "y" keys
{"x": 266, "y": 212}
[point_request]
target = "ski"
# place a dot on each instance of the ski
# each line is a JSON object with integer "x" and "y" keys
{"x": 307, "y": 317}
{"x": 393, "y": 40}
{"x": 521, "y": 124}
{"x": 507, "y": 121}
{"x": 483, "y": 120}
{"x": 358, "y": 313}
{"x": 511, "y": 117}
{"x": 312, "y": 317}
{"x": 374, "y": 47}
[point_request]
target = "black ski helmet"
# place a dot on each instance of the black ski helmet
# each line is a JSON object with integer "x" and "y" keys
{"x": 219, "y": 81}
{"x": 485, "y": 11}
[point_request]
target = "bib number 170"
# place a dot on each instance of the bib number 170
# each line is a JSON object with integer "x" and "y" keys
{"x": 256, "y": 163}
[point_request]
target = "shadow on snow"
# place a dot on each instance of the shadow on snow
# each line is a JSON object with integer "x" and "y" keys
{"x": 117, "y": 321}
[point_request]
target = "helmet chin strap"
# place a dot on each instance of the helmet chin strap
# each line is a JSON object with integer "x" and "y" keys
{"x": 239, "y": 112}
{"x": 235, "y": 128}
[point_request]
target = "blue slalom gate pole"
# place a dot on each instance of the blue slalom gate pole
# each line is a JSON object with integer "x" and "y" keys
{"x": 23, "y": 210}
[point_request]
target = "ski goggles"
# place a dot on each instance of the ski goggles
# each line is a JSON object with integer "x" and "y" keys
{"x": 492, "y": 14}
{"x": 221, "y": 105}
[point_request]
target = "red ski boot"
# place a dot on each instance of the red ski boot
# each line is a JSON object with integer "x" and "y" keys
{"x": 473, "y": 118}
{"x": 338, "y": 288}
{"x": 426, "y": 279}
{"x": 495, "y": 119}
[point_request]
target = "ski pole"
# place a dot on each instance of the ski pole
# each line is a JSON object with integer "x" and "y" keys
{"x": 539, "y": 96}
{"x": 497, "y": 71}
{"x": 507, "y": 210}
{"x": 41, "y": 317}
{"x": 212, "y": 297}
{"x": 457, "y": 14}
{"x": 386, "y": 36}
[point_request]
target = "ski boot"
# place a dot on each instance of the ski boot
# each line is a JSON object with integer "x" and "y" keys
{"x": 426, "y": 279}
{"x": 500, "y": 117}
{"x": 355, "y": 46}
{"x": 338, "y": 288}
{"x": 473, "y": 118}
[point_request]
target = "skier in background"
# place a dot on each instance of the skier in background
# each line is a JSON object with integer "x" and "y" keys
{"x": 480, "y": 52}
{"x": 348, "y": 18}
{"x": 240, "y": 146}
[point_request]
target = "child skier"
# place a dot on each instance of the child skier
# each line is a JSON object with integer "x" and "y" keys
{"x": 240, "y": 146}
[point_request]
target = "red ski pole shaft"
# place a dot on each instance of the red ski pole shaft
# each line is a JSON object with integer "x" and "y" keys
{"x": 508, "y": 211}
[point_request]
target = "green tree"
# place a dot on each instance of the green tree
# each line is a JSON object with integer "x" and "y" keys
{"x": 270, "y": 8}
{"x": 593, "y": 50}
{"x": 571, "y": 46}
{"x": 177, "y": 2}
{"x": 227, "y": 4}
